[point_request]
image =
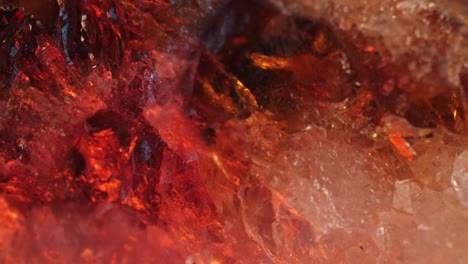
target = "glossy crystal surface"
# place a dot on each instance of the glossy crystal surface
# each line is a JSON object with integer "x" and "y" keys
{"x": 219, "y": 131}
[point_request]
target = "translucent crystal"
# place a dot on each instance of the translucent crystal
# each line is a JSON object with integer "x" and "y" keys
{"x": 233, "y": 131}
{"x": 460, "y": 177}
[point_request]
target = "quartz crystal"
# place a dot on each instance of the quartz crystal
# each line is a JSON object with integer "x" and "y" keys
{"x": 217, "y": 131}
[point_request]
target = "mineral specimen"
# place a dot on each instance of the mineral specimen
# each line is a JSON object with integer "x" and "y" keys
{"x": 216, "y": 131}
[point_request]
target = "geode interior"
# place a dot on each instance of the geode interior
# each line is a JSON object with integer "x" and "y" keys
{"x": 217, "y": 131}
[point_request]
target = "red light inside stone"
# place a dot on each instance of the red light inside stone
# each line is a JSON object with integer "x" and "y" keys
{"x": 233, "y": 131}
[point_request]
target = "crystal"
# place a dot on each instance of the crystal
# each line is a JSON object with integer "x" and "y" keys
{"x": 233, "y": 131}
{"x": 459, "y": 177}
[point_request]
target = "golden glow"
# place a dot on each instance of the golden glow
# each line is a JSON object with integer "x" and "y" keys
{"x": 245, "y": 93}
{"x": 71, "y": 93}
{"x": 268, "y": 62}
{"x": 218, "y": 163}
{"x": 219, "y": 99}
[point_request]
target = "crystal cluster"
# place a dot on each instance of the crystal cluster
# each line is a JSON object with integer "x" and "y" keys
{"x": 218, "y": 131}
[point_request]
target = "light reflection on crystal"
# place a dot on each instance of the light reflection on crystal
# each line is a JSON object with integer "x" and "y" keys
{"x": 233, "y": 131}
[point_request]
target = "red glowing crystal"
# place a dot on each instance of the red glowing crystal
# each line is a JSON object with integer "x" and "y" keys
{"x": 233, "y": 131}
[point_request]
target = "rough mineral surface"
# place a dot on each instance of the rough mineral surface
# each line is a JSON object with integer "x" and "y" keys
{"x": 216, "y": 131}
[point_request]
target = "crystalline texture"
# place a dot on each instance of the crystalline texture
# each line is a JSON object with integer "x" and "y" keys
{"x": 233, "y": 131}
{"x": 460, "y": 176}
